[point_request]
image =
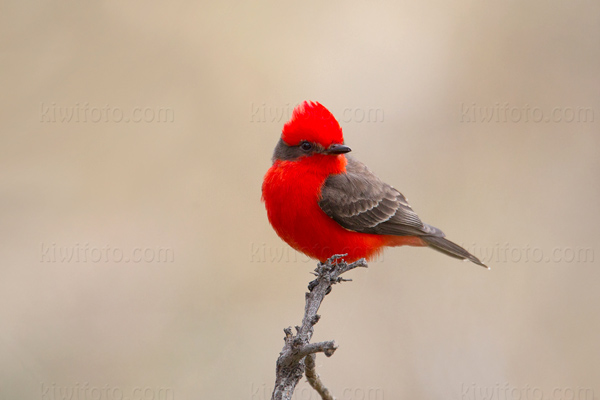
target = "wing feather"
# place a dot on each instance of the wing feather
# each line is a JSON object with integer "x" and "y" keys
{"x": 359, "y": 201}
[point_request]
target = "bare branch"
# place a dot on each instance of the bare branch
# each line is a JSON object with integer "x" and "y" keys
{"x": 322, "y": 347}
{"x": 297, "y": 348}
{"x": 315, "y": 380}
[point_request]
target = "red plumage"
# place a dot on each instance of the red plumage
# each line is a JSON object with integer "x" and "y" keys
{"x": 314, "y": 123}
{"x": 322, "y": 204}
{"x": 291, "y": 192}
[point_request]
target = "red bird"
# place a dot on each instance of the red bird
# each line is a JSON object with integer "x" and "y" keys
{"x": 322, "y": 202}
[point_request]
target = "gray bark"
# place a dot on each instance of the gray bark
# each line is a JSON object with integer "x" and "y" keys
{"x": 297, "y": 355}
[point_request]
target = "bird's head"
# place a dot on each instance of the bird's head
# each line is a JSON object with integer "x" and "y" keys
{"x": 312, "y": 131}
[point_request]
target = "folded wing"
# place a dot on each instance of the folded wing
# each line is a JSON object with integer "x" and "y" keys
{"x": 359, "y": 201}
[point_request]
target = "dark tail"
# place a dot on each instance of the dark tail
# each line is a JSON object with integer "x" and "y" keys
{"x": 451, "y": 249}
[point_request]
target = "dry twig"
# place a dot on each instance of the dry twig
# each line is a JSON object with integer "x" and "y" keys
{"x": 298, "y": 353}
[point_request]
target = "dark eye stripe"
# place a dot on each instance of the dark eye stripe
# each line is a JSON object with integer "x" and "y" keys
{"x": 285, "y": 152}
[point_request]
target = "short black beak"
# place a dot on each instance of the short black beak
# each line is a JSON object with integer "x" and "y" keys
{"x": 338, "y": 149}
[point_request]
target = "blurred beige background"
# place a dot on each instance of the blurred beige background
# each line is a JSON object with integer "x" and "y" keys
{"x": 484, "y": 114}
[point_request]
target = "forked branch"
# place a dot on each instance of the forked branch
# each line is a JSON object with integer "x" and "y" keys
{"x": 298, "y": 354}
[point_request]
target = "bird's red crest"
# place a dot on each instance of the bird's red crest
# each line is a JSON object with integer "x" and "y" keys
{"x": 314, "y": 123}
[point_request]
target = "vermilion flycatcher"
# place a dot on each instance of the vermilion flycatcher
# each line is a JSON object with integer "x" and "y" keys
{"x": 322, "y": 202}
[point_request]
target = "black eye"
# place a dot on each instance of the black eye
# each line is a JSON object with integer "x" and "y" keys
{"x": 306, "y": 146}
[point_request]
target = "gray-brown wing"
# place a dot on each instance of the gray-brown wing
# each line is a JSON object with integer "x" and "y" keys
{"x": 359, "y": 201}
